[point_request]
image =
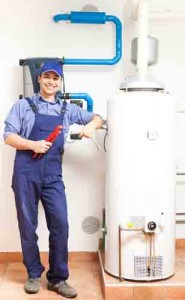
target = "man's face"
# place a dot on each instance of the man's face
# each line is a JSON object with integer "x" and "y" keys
{"x": 50, "y": 83}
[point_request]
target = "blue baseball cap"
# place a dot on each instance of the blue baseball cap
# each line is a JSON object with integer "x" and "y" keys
{"x": 51, "y": 65}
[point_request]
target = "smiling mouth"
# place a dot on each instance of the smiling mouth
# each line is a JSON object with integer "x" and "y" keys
{"x": 50, "y": 87}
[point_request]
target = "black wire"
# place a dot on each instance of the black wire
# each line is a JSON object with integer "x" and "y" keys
{"x": 63, "y": 87}
{"x": 104, "y": 141}
{"x": 63, "y": 82}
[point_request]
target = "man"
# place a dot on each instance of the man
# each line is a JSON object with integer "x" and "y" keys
{"x": 38, "y": 174}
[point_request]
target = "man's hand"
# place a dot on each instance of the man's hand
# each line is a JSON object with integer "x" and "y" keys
{"x": 20, "y": 143}
{"x": 40, "y": 146}
{"x": 88, "y": 131}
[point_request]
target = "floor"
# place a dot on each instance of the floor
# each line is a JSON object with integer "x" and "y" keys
{"x": 92, "y": 283}
{"x": 84, "y": 276}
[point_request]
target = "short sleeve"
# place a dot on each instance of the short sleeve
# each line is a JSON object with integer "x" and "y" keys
{"x": 13, "y": 122}
{"x": 78, "y": 115}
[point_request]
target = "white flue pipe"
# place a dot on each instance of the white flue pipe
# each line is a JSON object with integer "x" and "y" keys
{"x": 167, "y": 15}
{"x": 142, "y": 55}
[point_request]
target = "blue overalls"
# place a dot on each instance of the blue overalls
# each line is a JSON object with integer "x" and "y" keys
{"x": 35, "y": 179}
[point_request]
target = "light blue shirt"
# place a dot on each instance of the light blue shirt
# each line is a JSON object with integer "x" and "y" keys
{"x": 21, "y": 117}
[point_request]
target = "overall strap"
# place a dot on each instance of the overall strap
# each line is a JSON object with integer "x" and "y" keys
{"x": 32, "y": 105}
{"x": 63, "y": 110}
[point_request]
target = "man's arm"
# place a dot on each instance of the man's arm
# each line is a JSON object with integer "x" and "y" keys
{"x": 89, "y": 129}
{"x": 20, "y": 143}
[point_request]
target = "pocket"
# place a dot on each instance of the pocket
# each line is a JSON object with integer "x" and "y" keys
{"x": 47, "y": 127}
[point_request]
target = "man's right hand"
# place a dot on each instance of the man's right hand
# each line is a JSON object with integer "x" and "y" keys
{"x": 40, "y": 146}
{"x": 21, "y": 143}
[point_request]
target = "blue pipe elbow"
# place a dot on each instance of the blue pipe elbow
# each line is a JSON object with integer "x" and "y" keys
{"x": 84, "y": 96}
{"x": 61, "y": 17}
{"x": 94, "y": 18}
{"x": 118, "y": 25}
{"x": 77, "y": 96}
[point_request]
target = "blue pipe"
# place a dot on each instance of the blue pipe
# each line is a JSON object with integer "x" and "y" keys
{"x": 78, "y": 96}
{"x": 94, "y": 18}
{"x": 88, "y": 17}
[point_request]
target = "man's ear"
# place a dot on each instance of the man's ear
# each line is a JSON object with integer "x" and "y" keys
{"x": 39, "y": 79}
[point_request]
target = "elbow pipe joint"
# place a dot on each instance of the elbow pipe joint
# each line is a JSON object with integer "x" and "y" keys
{"x": 94, "y": 18}
{"x": 77, "y": 96}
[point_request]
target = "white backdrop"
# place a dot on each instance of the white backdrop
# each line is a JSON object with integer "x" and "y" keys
{"x": 27, "y": 30}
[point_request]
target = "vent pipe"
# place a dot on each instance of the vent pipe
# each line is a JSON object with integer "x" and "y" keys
{"x": 142, "y": 57}
{"x": 142, "y": 80}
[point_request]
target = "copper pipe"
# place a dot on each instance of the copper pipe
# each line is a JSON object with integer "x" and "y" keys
{"x": 120, "y": 259}
{"x": 120, "y": 229}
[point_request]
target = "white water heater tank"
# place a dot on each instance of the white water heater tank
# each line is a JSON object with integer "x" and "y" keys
{"x": 140, "y": 186}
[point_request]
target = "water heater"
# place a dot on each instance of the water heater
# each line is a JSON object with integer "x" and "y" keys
{"x": 140, "y": 185}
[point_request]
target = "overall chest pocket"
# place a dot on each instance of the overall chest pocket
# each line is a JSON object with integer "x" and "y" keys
{"x": 47, "y": 133}
{"x": 47, "y": 127}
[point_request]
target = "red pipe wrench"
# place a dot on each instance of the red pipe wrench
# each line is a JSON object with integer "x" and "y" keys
{"x": 51, "y": 138}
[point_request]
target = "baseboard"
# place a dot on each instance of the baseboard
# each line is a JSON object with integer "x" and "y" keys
{"x": 80, "y": 256}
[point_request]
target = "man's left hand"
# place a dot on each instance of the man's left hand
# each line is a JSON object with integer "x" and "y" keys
{"x": 88, "y": 130}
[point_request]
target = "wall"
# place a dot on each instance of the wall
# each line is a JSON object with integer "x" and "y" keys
{"x": 27, "y": 30}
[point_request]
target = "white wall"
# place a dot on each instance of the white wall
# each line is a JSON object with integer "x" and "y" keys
{"x": 27, "y": 30}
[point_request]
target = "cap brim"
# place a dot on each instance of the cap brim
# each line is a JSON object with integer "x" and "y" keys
{"x": 51, "y": 70}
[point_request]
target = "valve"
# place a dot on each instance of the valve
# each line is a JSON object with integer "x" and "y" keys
{"x": 152, "y": 225}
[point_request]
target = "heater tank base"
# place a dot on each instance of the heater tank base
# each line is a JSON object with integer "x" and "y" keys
{"x": 147, "y": 279}
{"x": 131, "y": 290}
{"x": 139, "y": 279}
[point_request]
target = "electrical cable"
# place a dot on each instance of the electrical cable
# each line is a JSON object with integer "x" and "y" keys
{"x": 97, "y": 146}
{"x": 105, "y": 126}
{"x": 104, "y": 141}
{"x": 64, "y": 93}
{"x": 63, "y": 82}
{"x": 68, "y": 141}
{"x": 65, "y": 97}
